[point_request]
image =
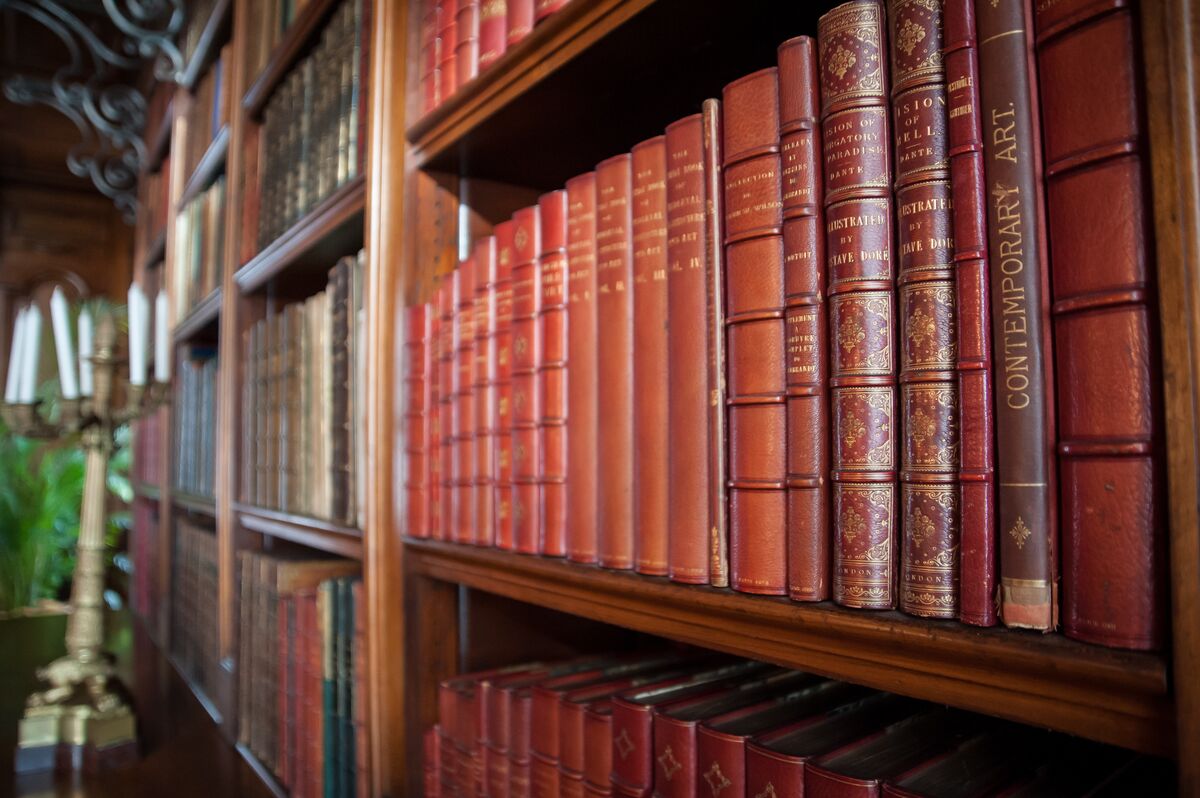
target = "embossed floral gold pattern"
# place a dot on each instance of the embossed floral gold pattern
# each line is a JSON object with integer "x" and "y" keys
{"x": 853, "y": 429}
{"x": 1019, "y": 532}
{"x": 921, "y": 328}
{"x": 911, "y": 34}
{"x": 850, "y": 333}
{"x": 920, "y": 526}
{"x": 841, "y": 61}
{"x": 921, "y": 427}
{"x": 853, "y": 525}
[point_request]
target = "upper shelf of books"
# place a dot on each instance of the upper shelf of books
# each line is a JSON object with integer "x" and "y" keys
{"x": 204, "y": 37}
{"x": 278, "y": 42}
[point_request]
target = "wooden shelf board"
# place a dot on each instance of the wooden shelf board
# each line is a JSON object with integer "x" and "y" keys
{"x": 208, "y": 44}
{"x": 295, "y": 42}
{"x": 211, "y": 165}
{"x": 262, "y": 771}
{"x": 1051, "y": 681}
{"x": 146, "y": 490}
{"x": 157, "y": 251}
{"x": 312, "y": 532}
{"x": 196, "y": 689}
{"x": 161, "y": 143}
{"x": 204, "y": 505}
{"x": 314, "y": 243}
{"x": 202, "y": 317}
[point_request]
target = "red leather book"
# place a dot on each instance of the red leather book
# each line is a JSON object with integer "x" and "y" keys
{"x": 807, "y": 345}
{"x": 614, "y": 370}
{"x": 721, "y": 741}
{"x": 572, "y": 709}
{"x": 777, "y": 760}
{"x": 505, "y": 532}
{"x": 466, "y": 48}
{"x": 485, "y": 391}
{"x": 520, "y": 780}
{"x": 496, "y": 772}
{"x": 976, "y": 432}
{"x": 430, "y": 56}
{"x": 858, "y": 243}
{"x": 982, "y": 765}
{"x": 417, "y": 414}
{"x": 755, "y": 335}
{"x": 464, "y": 403}
{"x": 1012, "y": 161}
{"x": 1105, "y": 329}
{"x": 928, "y": 341}
{"x": 598, "y": 748}
{"x": 445, "y": 371}
{"x": 448, "y": 48}
{"x": 430, "y": 762}
{"x": 493, "y": 31}
{"x": 520, "y": 20}
{"x": 650, "y": 439}
{"x": 552, "y": 374}
{"x": 452, "y": 372}
{"x": 581, "y": 354}
{"x": 285, "y": 694}
{"x": 544, "y": 8}
{"x": 526, "y": 350}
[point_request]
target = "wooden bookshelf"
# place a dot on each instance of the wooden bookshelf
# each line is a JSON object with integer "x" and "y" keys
{"x": 191, "y": 503}
{"x": 155, "y": 252}
{"x": 209, "y": 43}
{"x": 312, "y": 532}
{"x": 197, "y": 691}
{"x": 210, "y": 167}
{"x": 201, "y": 320}
{"x": 146, "y": 490}
{"x": 160, "y": 144}
{"x": 296, "y": 41}
{"x": 262, "y": 771}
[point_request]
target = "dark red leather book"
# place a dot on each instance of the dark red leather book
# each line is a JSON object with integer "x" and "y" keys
{"x": 520, "y": 780}
{"x": 598, "y": 747}
{"x": 929, "y": 542}
{"x": 452, "y": 372}
{"x": 448, "y": 48}
{"x": 721, "y": 741}
{"x": 581, "y": 354}
{"x": 807, "y": 344}
{"x": 1105, "y": 330}
{"x": 862, "y": 320}
{"x": 526, "y": 354}
{"x": 485, "y": 391}
{"x": 430, "y": 762}
{"x": 755, "y": 335}
{"x": 982, "y": 765}
{"x": 572, "y": 709}
{"x": 417, "y": 375}
{"x": 466, "y": 47}
{"x": 552, "y": 374}
{"x": 614, "y": 370}
{"x": 1012, "y": 160}
{"x": 544, "y": 778}
{"x": 445, "y": 372}
{"x": 976, "y": 432}
{"x": 496, "y": 768}
{"x": 430, "y": 56}
{"x": 493, "y": 31}
{"x": 544, "y": 8}
{"x": 520, "y": 20}
{"x": 650, "y": 440}
{"x": 505, "y": 532}
{"x": 464, "y": 403}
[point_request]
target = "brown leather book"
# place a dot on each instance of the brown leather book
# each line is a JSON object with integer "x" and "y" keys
{"x": 929, "y": 542}
{"x": 505, "y": 532}
{"x": 520, "y": 20}
{"x": 485, "y": 391}
{"x": 614, "y": 371}
{"x": 650, "y": 440}
{"x": 493, "y": 31}
{"x": 527, "y": 354}
{"x": 807, "y": 344}
{"x": 755, "y": 334}
{"x": 1025, "y": 500}
{"x": 976, "y": 429}
{"x": 862, "y": 320}
{"x": 1105, "y": 329}
{"x": 466, "y": 46}
{"x": 464, "y": 403}
{"x": 415, "y": 372}
{"x": 581, "y": 354}
{"x": 552, "y": 375}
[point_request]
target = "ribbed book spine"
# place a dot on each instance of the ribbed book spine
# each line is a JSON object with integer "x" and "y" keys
{"x": 505, "y": 531}
{"x": 448, "y": 301}
{"x": 493, "y": 31}
{"x": 464, "y": 403}
{"x": 527, "y": 353}
{"x": 552, "y": 375}
{"x": 416, "y": 375}
{"x": 581, "y": 354}
{"x": 466, "y": 50}
{"x": 485, "y": 391}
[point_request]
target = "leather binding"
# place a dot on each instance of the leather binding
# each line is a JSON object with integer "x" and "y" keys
{"x": 445, "y": 370}
{"x": 433, "y": 308}
{"x": 976, "y": 432}
{"x": 450, "y": 420}
{"x": 689, "y": 390}
{"x": 544, "y": 8}
{"x": 485, "y": 391}
{"x": 614, "y": 362}
{"x": 464, "y": 404}
{"x": 520, "y": 781}
{"x": 714, "y": 247}
{"x": 581, "y": 354}
{"x": 1105, "y": 330}
{"x": 493, "y": 31}
{"x": 929, "y": 542}
{"x": 430, "y": 761}
{"x": 650, "y": 440}
{"x": 430, "y": 57}
{"x": 598, "y": 748}
{"x": 1025, "y": 500}
{"x": 806, "y": 344}
{"x": 526, "y": 355}
{"x": 520, "y": 20}
{"x": 505, "y": 532}
{"x": 552, "y": 374}
{"x": 466, "y": 47}
{"x": 448, "y": 48}
{"x": 987, "y": 764}
{"x": 858, "y": 242}
{"x": 417, "y": 381}
{"x": 755, "y": 335}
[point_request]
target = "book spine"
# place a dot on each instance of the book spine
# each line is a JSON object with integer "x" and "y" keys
{"x": 464, "y": 404}
{"x": 581, "y": 354}
{"x": 544, "y": 8}
{"x": 485, "y": 391}
{"x": 858, "y": 251}
{"x": 466, "y": 48}
{"x": 553, "y": 375}
{"x": 766, "y": 768}
{"x": 1105, "y": 326}
{"x": 493, "y": 31}
{"x": 689, "y": 391}
{"x": 614, "y": 382}
{"x": 527, "y": 356}
{"x": 650, "y": 365}
{"x": 807, "y": 344}
{"x": 445, "y": 371}
{"x": 928, "y": 341}
{"x": 505, "y": 532}
{"x": 598, "y": 750}
{"x": 520, "y": 20}
{"x": 448, "y": 49}
{"x": 451, "y": 423}
{"x": 418, "y": 393}
{"x": 430, "y": 55}
{"x": 1025, "y": 500}
{"x": 632, "y": 746}
{"x": 674, "y": 758}
{"x": 341, "y": 393}
{"x": 755, "y": 335}
{"x": 976, "y": 432}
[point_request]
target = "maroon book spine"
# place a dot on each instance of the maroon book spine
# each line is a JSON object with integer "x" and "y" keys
{"x": 614, "y": 372}
{"x": 807, "y": 345}
{"x": 493, "y": 31}
{"x": 1105, "y": 330}
{"x": 447, "y": 48}
{"x": 755, "y": 335}
{"x": 862, "y": 327}
{"x": 650, "y": 441}
{"x": 552, "y": 375}
{"x": 714, "y": 248}
{"x": 452, "y": 374}
{"x": 417, "y": 415}
{"x": 485, "y": 391}
{"x": 976, "y": 432}
{"x": 526, "y": 407}
{"x": 429, "y": 57}
{"x": 445, "y": 374}
{"x": 928, "y": 340}
{"x": 464, "y": 404}
{"x": 581, "y": 354}
{"x": 466, "y": 47}
{"x": 435, "y": 429}
{"x": 598, "y": 747}
{"x": 505, "y": 532}
{"x": 674, "y": 757}
{"x": 520, "y": 20}
{"x": 1020, "y": 273}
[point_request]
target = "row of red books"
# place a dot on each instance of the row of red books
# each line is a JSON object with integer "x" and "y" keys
{"x": 765, "y": 338}
{"x": 461, "y": 38}
{"x": 672, "y": 727}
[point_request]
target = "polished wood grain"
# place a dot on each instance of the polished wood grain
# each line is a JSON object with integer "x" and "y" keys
{"x": 297, "y": 40}
{"x": 208, "y": 45}
{"x": 202, "y": 321}
{"x": 312, "y": 532}
{"x": 208, "y": 169}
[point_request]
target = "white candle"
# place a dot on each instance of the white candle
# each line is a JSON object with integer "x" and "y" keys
{"x": 31, "y": 354}
{"x": 85, "y": 352}
{"x": 12, "y": 385}
{"x": 137, "y": 336}
{"x": 63, "y": 346}
{"x": 162, "y": 350}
